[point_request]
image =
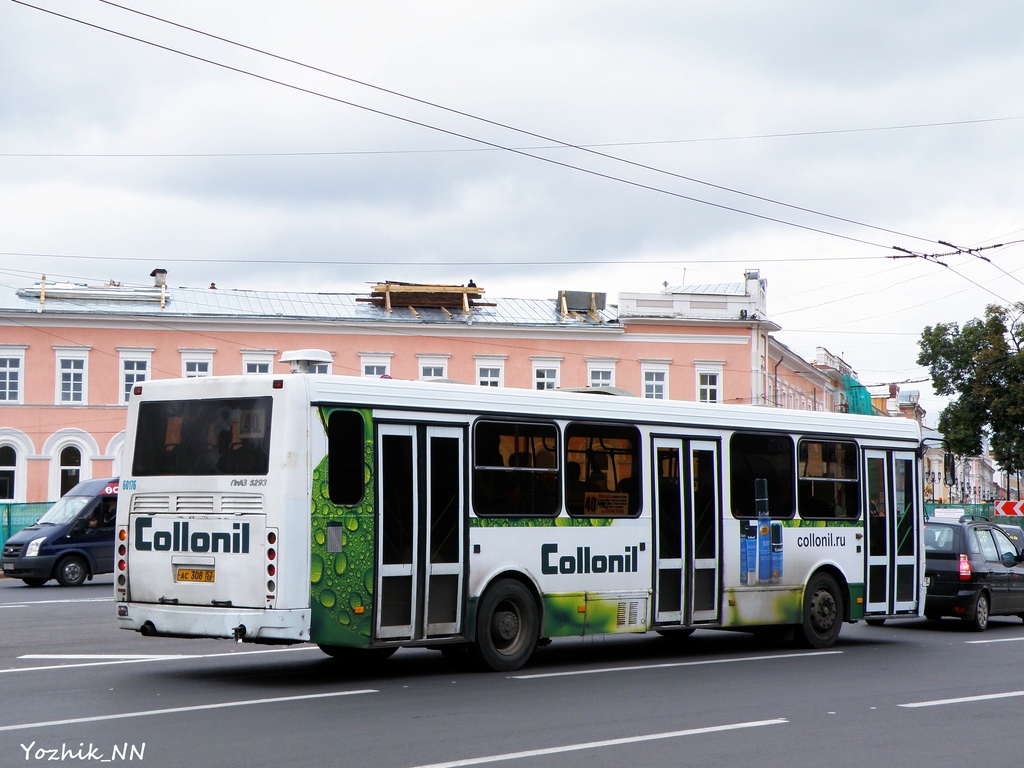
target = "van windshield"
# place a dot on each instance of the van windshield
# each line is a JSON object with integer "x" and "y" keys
{"x": 65, "y": 510}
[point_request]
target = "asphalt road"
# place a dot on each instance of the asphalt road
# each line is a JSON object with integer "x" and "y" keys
{"x": 77, "y": 690}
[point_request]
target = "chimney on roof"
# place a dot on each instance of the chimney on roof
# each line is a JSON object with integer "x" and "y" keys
{"x": 159, "y": 277}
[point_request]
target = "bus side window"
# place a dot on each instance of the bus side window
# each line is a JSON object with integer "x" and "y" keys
{"x": 515, "y": 469}
{"x": 609, "y": 456}
{"x": 346, "y": 442}
{"x": 769, "y": 456}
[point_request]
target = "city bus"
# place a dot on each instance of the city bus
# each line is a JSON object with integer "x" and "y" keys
{"x": 369, "y": 514}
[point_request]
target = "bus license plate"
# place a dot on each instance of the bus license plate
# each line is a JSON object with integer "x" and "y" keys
{"x": 204, "y": 575}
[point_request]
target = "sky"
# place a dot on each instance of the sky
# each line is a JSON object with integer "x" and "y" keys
{"x": 531, "y": 147}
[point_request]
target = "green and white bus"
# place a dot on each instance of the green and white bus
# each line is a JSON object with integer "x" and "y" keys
{"x": 367, "y": 514}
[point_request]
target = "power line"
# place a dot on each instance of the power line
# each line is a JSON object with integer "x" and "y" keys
{"x": 484, "y": 142}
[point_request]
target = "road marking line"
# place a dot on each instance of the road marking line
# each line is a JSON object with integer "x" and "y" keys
{"x": 963, "y": 699}
{"x": 103, "y": 656}
{"x": 674, "y": 664}
{"x": 599, "y": 744}
{"x": 55, "y": 602}
{"x": 999, "y": 640}
{"x": 173, "y": 710}
{"x": 138, "y": 660}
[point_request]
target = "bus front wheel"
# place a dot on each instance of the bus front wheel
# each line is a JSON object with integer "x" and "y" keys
{"x": 822, "y": 614}
{"x": 507, "y": 627}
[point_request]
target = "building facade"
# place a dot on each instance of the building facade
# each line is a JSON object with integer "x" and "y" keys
{"x": 71, "y": 353}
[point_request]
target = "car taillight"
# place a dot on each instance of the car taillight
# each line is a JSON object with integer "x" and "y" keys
{"x": 965, "y": 568}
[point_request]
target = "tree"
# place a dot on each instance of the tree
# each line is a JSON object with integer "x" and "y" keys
{"x": 982, "y": 365}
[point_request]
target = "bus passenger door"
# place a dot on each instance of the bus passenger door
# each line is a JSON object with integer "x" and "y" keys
{"x": 892, "y": 530}
{"x": 420, "y": 530}
{"x": 687, "y": 517}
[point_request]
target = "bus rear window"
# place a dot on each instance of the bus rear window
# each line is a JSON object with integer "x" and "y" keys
{"x": 229, "y": 436}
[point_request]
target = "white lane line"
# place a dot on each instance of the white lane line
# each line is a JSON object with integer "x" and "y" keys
{"x": 173, "y": 710}
{"x": 98, "y": 656}
{"x": 69, "y": 600}
{"x": 995, "y": 640}
{"x": 600, "y": 744}
{"x": 667, "y": 665}
{"x": 963, "y": 699}
{"x": 143, "y": 659}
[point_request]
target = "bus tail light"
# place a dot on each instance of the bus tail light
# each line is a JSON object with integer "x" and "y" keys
{"x": 271, "y": 568}
{"x": 965, "y": 568}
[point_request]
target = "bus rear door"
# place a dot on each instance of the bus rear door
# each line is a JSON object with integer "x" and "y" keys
{"x": 893, "y": 531}
{"x": 687, "y": 521}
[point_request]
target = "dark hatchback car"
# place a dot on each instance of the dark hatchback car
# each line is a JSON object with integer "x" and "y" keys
{"x": 973, "y": 571}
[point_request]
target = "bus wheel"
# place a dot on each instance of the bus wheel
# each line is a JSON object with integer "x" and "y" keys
{"x": 823, "y": 612}
{"x": 507, "y": 627}
{"x": 71, "y": 571}
{"x": 358, "y": 655}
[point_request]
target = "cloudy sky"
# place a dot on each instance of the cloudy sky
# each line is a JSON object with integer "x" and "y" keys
{"x": 532, "y": 147}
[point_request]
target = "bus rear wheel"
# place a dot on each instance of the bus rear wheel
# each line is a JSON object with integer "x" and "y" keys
{"x": 507, "y": 627}
{"x": 822, "y": 613}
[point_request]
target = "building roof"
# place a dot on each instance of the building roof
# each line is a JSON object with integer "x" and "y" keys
{"x": 214, "y": 303}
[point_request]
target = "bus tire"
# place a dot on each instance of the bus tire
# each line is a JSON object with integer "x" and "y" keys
{"x": 72, "y": 571}
{"x": 822, "y": 612}
{"x": 358, "y": 655}
{"x": 507, "y": 627}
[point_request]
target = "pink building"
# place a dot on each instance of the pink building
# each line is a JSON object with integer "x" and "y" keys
{"x": 70, "y": 353}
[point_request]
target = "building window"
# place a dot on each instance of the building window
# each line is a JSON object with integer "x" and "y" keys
{"x": 196, "y": 363}
{"x": 709, "y": 381}
{"x": 655, "y": 379}
{"x": 490, "y": 371}
{"x": 8, "y": 467}
{"x": 258, "y": 361}
{"x": 134, "y": 372}
{"x": 433, "y": 366}
{"x": 11, "y": 365}
{"x": 601, "y": 372}
{"x": 375, "y": 364}
{"x": 319, "y": 367}
{"x": 70, "y": 468}
{"x": 72, "y": 375}
{"x": 135, "y": 365}
{"x": 546, "y": 372}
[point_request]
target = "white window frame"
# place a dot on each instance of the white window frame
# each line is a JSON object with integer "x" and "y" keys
{"x": 15, "y": 352}
{"x": 490, "y": 363}
{"x": 23, "y": 449}
{"x": 73, "y": 354}
{"x": 709, "y": 368}
{"x": 542, "y": 367}
{"x": 133, "y": 355}
{"x": 322, "y": 368}
{"x": 656, "y": 388}
{"x": 434, "y": 362}
{"x": 258, "y": 358}
{"x": 600, "y": 367}
{"x": 196, "y": 356}
{"x": 378, "y": 360}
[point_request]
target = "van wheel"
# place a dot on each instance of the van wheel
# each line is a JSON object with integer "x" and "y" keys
{"x": 823, "y": 613}
{"x": 35, "y": 582}
{"x": 71, "y": 571}
{"x": 507, "y": 627}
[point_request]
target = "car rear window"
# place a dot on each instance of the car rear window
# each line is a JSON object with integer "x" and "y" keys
{"x": 938, "y": 538}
